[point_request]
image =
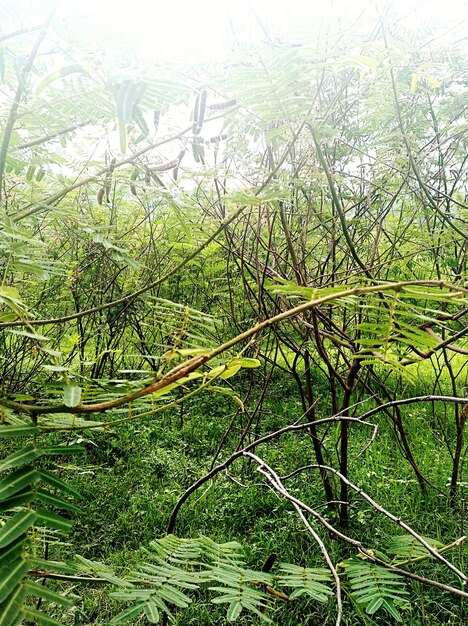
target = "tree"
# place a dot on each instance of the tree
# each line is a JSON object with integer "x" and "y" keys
{"x": 311, "y": 201}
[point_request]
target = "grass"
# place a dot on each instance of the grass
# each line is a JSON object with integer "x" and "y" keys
{"x": 131, "y": 478}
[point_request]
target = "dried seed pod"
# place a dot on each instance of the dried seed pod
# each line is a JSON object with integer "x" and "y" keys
{"x": 165, "y": 166}
{"x": 156, "y": 118}
{"x": 202, "y": 108}
{"x": 112, "y": 164}
{"x": 221, "y": 106}
{"x": 181, "y": 154}
{"x": 133, "y": 190}
{"x": 100, "y": 195}
{"x": 175, "y": 173}
{"x": 201, "y": 152}
{"x": 195, "y": 110}
{"x": 195, "y": 152}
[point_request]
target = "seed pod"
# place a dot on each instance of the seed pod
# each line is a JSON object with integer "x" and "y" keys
{"x": 201, "y": 152}
{"x": 165, "y": 166}
{"x": 181, "y": 154}
{"x": 175, "y": 173}
{"x": 195, "y": 152}
{"x": 221, "y": 106}
{"x": 112, "y": 165}
{"x": 156, "y": 118}
{"x": 100, "y": 195}
{"x": 133, "y": 190}
{"x": 195, "y": 111}
{"x": 202, "y": 108}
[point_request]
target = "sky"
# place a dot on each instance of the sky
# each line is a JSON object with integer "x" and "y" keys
{"x": 205, "y": 30}
{"x": 208, "y": 30}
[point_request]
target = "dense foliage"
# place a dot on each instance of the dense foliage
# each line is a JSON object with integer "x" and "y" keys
{"x": 233, "y": 329}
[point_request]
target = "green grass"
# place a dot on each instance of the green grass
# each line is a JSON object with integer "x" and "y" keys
{"x": 131, "y": 478}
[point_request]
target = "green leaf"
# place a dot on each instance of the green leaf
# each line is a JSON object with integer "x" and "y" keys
{"x": 21, "y": 457}
{"x": 234, "y": 610}
{"x": 431, "y": 80}
{"x": 151, "y": 612}
{"x": 122, "y": 136}
{"x": 375, "y": 587}
{"x": 59, "y": 484}
{"x": 19, "y": 499}
{"x": 39, "y": 618}
{"x": 56, "y": 368}
{"x": 388, "y": 604}
{"x": 374, "y": 605}
{"x": 14, "y": 550}
{"x": 193, "y": 351}
{"x": 174, "y": 596}
{"x": 127, "y": 614}
{"x": 407, "y": 548}
{"x": 308, "y": 581}
{"x": 245, "y": 362}
{"x": 10, "y": 609}
{"x": 18, "y": 430}
{"x": 16, "y": 526}
{"x": 60, "y": 73}
{"x": 41, "y": 591}
{"x": 223, "y": 371}
{"x": 17, "y": 481}
{"x": 52, "y": 520}
{"x": 25, "y": 333}
{"x": 48, "y": 498}
{"x": 10, "y": 576}
{"x": 11, "y": 293}
{"x": 55, "y": 566}
{"x": 71, "y": 395}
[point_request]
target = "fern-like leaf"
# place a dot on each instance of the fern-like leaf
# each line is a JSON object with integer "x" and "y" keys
{"x": 406, "y": 548}
{"x": 306, "y": 581}
{"x": 376, "y": 587}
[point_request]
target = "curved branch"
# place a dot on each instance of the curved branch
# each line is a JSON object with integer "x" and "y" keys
{"x": 463, "y": 577}
{"x": 193, "y": 364}
{"x": 222, "y": 466}
{"x": 279, "y": 487}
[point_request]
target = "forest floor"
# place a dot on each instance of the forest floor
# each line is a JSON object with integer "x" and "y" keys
{"x": 132, "y": 478}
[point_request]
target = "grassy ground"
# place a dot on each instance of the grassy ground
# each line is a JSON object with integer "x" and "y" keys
{"x": 131, "y": 479}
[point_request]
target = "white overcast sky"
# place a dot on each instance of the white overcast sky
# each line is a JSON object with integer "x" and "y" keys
{"x": 205, "y": 29}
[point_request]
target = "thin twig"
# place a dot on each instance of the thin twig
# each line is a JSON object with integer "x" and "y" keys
{"x": 359, "y": 546}
{"x": 239, "y": 453}
{"x": 270, "y": 472}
